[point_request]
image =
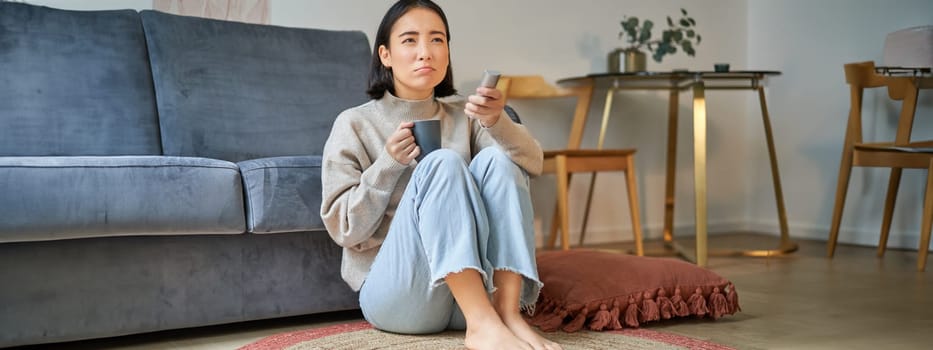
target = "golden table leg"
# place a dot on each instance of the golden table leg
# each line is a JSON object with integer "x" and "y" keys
{"x": 672, "y": 109}
{"x": 670, "y": 246}
{"x": 786, "y": 245}
{"x": 699, "y": 169}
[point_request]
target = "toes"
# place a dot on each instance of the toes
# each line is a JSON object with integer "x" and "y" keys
{"x": 546, "y": 345}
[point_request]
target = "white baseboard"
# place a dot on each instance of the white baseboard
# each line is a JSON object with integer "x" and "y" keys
{"x": 606, "y": 235}
{"x": 860, "y": 236}
{"x": 863, "y": 237}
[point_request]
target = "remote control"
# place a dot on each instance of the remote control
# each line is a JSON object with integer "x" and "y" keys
{"x": 490, "y": 78}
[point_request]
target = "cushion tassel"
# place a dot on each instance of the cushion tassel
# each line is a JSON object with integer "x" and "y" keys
{"x": 665, "y": 306}
{"x": 614, "y": 314}
{"x": 601, "y": 319}
{"x": 718, "y": 306}
{"x": 544, "y": 317}
{"x": 631, "y": 313}
{"x": 543, "y": 313}
{"x": 539, "y": 318}
{"x": 548, "y": 306}
{"x": 680, "y": 306}
{"x": 553, "y": 323}
{"x": 697, "y": 303}
{"x": 577, "y": 323}
{"x": 649, "y": 309}
{"x": 733, "y": 297}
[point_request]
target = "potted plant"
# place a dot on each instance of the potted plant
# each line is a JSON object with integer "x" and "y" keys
{"x": 679, "y": 34}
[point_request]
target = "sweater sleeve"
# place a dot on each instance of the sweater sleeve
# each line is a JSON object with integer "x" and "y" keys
{"x": 515, "y": 139}
{"x": 356, "y": 189}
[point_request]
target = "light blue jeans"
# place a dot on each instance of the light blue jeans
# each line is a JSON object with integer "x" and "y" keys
{"x": 452, "y": 217}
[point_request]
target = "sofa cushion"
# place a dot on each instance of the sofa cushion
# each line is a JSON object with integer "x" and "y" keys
{"x": 238, "y": 91}
{"x": 283, "y": 194}
{"x": 74, "y": 83}
{"x": 46, "y": 198}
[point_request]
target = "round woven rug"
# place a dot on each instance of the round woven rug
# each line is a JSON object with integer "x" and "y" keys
{"x": 361, "y": 335}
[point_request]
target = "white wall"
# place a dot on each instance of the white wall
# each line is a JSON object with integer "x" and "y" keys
{"x": 810, "y": 41}
{"x": 94, "y": 5}
{"x": 807, "y": 40}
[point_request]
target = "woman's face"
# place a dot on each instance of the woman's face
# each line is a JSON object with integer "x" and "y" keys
{"x": 417, "y": 53}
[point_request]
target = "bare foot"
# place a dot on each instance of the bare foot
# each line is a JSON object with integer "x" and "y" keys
{"x": 493, "y": 335}
{"x": 523, "y": 331}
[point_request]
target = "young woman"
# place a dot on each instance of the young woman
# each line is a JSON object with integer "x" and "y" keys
{"x": 447, "y": 242}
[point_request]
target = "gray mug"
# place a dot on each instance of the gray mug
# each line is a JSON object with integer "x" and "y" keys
{"x": 427, "y": 136}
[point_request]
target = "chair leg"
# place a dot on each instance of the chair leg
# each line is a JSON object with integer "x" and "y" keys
{"x": 893, "y": 183}
{"x": 586, "y": 210}
{"x": 842, "y": 185}
{"x": 563, "y": 182}
{"x": 555, "y": 225}
{"x": 927, "y": 225}
{"x": 633, "y": 205}
{"x": 555, "y": 219}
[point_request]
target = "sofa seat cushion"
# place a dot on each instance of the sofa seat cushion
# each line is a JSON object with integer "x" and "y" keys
{"x": 283, "y": 194}
{"x": 47, "y": 198}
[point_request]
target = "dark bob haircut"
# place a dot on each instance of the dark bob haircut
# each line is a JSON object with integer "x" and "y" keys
{"x": 380, "y": 77}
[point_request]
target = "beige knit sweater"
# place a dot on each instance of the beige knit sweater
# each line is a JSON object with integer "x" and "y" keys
{"x": 362, "y": 184}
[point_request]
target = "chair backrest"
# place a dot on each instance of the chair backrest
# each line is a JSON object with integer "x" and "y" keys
{"x": 535, "y": 87}
{"x": 861, "y": 76}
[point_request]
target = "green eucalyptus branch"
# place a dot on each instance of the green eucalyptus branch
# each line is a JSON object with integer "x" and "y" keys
{"x": 681, "y": 33}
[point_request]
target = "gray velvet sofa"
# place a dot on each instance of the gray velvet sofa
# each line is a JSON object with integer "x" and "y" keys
{"x": 160, "y": 172}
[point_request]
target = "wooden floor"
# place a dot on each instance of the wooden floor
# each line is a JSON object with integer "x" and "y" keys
{"x": 798, "y": 301}
{"x": 806, "y": 301}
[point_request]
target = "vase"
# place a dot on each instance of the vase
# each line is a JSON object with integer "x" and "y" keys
{"x": 614, "y": 60}
{"x": 634, "y": 61}
{"x": 626, "y": 60}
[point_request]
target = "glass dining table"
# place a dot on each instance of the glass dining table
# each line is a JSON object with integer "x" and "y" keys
{"x": 699, "y": 82}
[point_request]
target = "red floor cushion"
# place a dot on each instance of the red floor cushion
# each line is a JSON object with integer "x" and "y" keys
{"x": 605, "y": 291}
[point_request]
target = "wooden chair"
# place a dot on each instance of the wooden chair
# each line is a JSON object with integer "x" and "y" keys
{"x": 564, "y": 162}
{"x": 899, "y": 154}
